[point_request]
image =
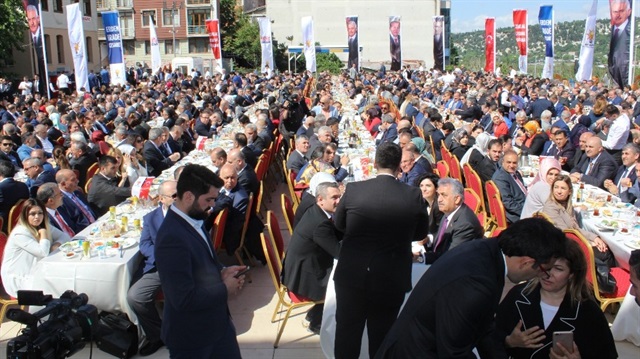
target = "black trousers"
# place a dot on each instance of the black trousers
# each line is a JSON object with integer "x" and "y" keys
{"x": 314, "y": 316}
{"x": 354, "y": 308}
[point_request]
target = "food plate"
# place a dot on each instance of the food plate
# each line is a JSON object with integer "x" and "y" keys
{"x": 69, "y": 255}
{"x": 607, "y": 225}
{"x": 71, "y": 246}
{"x": 128, "y": 242}
{"x": 633, "y": 243}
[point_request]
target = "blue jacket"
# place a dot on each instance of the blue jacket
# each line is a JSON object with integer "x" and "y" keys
{"x": 152, "y": 222}
{"x": 73, "y": 215}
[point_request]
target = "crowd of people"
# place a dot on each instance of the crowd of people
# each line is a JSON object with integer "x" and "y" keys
{"x": 144, "y": 127}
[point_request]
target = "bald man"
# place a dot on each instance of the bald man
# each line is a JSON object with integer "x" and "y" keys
{"x": 236, "y": 199}
{"x": 325, "y": 107}
{"x": 600, "y": 166}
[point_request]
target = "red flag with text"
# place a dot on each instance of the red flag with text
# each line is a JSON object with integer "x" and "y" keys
{"x": 522, "y": 37}
{"x": 490, "y": 47}
{"x": 214, "y": 37}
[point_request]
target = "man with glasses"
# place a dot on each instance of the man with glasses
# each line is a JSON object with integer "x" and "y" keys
{"x": 324, "y": 107}
{"x": 142, "y": 294}
{"x": 7, "y": 153}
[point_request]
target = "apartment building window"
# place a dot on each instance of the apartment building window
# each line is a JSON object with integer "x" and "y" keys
{"x": 89, "y": 45}
{"x": 168, "y": 21}
{"x": 57, "y": 6}
{"x": 45, "y": 5}
{"x": 129, "y": 47}
{"x": 199, "y": 45}
{"x": 147, "y": 47}
{"x": 87, "y": 7}
{"x": 145, "y": 17}
{"x": 47, "y": 47}
{"x": 60, "y": 48}
{"x": 168, "y": 46}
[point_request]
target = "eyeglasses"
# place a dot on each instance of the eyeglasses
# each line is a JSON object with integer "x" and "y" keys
{"x": 174, "y": 196}
{"x": 545, "y": 272}
{"x": 384, "y": 108}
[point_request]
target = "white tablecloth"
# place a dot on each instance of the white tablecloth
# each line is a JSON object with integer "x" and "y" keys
{"x": 328, "y": 329}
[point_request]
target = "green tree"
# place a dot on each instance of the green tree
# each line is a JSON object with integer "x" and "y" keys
{"x": 328, "y": 62}
{"x": 245, "y": 45}
{"x": 12, "y": 29}
{"x": 230, "y": 16}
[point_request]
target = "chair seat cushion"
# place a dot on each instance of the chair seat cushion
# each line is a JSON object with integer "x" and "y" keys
{"x": 622, "y": 278}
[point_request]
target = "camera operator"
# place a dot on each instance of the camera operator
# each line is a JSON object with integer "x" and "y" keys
{"x": 294, "y": 109}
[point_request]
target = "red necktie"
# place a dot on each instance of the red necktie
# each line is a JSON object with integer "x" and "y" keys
{"x": 63, "y": 225}
{"x": 82, "y": 208}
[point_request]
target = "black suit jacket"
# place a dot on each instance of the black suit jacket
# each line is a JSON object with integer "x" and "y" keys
{"x": 249, "y": 181}
{"x": 236, "y": 201}
{"x": 82, "y": 164}
{"x": 12, "y": 157}
{"x": 451, "y": 309}
{"x": 11, "y": 192}
{"x": 249, "y": 157}
{"x": 105, "y": 193}
{"x": 482, "y": 165}
{"x": 296, "y": 161}
{"x": 396, "y": 53}
{"x": 309, "y": 259}
{"x": 203, "y": 130}
{"x": 306, "y": 202}
{"x": 464, "y": 227}
{"x": 156, "y": 162}
{"x": 437, "y": 136}
{"x": 175, "y": 146}
{"x": 512, "y": 196}
{"x": 353, "y": 52}
{"x": 604, "y": 168}
{"x": 379, "y": 218}
{"x": 257, "y": 146}
{"x": 44, "y": 177}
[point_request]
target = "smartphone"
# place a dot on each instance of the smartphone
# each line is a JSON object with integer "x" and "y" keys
{"x": 244, "y": 271}
{"x": 564, "y": 338}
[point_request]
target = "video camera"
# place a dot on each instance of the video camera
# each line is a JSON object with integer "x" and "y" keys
{"x": 71, "y": 322}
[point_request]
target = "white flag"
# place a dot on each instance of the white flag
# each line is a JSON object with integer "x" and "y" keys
{"x": 155, "y": 48}
{"x": 585, "y": 63}
{"x": 78, "y": 50}
{"x": 309, "y": 42}
{"x": 267, "y": 47}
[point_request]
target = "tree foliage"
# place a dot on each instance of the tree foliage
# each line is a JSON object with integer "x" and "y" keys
{"x": 245, "y": 45}
{"x": 12, "y": 28}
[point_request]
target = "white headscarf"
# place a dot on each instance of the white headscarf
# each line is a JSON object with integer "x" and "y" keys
{"x": 482, "y": 141}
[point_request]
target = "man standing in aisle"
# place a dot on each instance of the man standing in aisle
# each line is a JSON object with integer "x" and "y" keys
{"x": 379, "y": 218}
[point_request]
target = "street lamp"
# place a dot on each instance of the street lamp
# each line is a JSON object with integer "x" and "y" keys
{"x": 174, "y": 6}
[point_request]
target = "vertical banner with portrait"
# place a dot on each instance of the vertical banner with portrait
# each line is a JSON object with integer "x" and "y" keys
{"x": 395, "y": 42}
{"x": 490, "y": 44}
{"x": 33, "y": 10}
{"x": 585, "y": 62}
{"x": 522, "y": 37}
{"x": 438, "y": 43}
{"x": 77, "y": 43}
{"x": 352, "y": 39}
{"x": 266, "y": 64}
{"x": 115, "y": 53}
{"x": 545, "y": 19}
{"x": 621, "y": 46}
{"x": 308, "y": 39}
{"x": 213, "y": 28}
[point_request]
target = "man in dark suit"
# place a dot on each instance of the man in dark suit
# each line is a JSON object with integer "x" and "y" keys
{"x": 196, "y": 287}
{"x": 105, "y": 190}
{"x": 157, "y": 161}
{"x": 451, "y": 309}
{"x": 10, "y": 191}
{"x": 298, "y": 157}
{"x": 438, "y": 43}
{"x": 626, "y": 175}
{"x": 246, "y": 175}
{"x": 581, "y": 157}
{"x": 390, "y": 129}
{"x": 541, "y": 104}
{"x": 411, "y": 170}
{"x": 352, "y": 32}
{"x": 7, "y": 153}
{"x": 563, "y": 150}
{"x": 254, "y": 142}
{"x": 459, "y": 223}
{"x": 37, "y": 175}
{"x": 75, "y": 209}
{"x": 600, "y": 167}
{"x": 187, "y": 140}
{"x": 374, "y": 270}
{"x": 240, "y": 142}
{"x": 395, "y": 46}
{"x": 49, "y": 194}
{"x": 236, "y": 199}
{"x": 511, "y": 186}
{"x": 142, "y": 294}
{"x": 487, "y": 165}
{"x": 174, "y": 140}
{"x": 82, "y": 158}
{"x": 315, "y": 243}
{"x": 203, "y": 124}
{"x": 618, "y": 59}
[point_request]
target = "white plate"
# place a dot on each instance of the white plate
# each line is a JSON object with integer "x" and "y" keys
{"x": 604, "y": 227}
{"x": 67, "y": 256}
{"x": 128, "y": 242}
{"x": 634, "y": 243}
{"x": 70, "y": 246}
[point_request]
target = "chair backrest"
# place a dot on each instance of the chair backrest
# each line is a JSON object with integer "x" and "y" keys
{"x": 496, "y": 208}
{"x": 247, "y": 217}
{"x": 259, "y": 196}
{"x": 472, "y": 200}
{"x": 585, "y": 246}
{"x": 14, "y": 215}
{"x": 219, "y": 224}
{"x": 275, "y": 266}
{"x": 92, "y": 170}
{"x": 496, "y": 231}
{"x": 287, "y": 211}
{"x": 290, "y": 179}
{"x": 443, "y": 168}
{"x": 276, "y": 235}
{"x": 430, "y": 146}
{"x": 454, "y": 168}
{"x": 543, "y": 216}
{"x": 472, "y": 180}
{"x": 87, "y": 185}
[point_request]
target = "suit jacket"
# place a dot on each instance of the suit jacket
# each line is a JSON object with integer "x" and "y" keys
{"x": 195, "y": 295}
{"x": 437, "y": 138}
{"x": 567, "y": 151}
{"x": 379, "y": 218}
{"x": 538, "y": 106}
{"x": 11, "y": 192}
{"x": 353, "y": 52}
{"x": 296, "y": 161}
{"x": 306, "y": 202}
{"x": 585, "y": 319}
{"x": 203, "y": 130}
{"x": 12, "y": 157}
{"x": 257, "y": 146}
{"x": 604, "y": 168}
{"x": 389, "y": 135}
{"x": 152, "y": 222}
{"x": 248, "y": 180}
{"x": 42, "y": 178}
{"x": 309, "y": 259}
{"x": 483, "y": 165}
{"x": 578, "y": 160}
{"x": 175, "y": 146}
{"x": 512, "y": 196}
{"x": 396, "y": 53}
{"x": 413, "y": 174}
{"x": 82, "y": 164}
{"x": 464, "y": 227}
{"x": 236, "y": 201}
{"x": 618, "y": 60}
{"x": 156, "y": 161}
{"x": 249, "y": 157}
{"x": 452, "y": 288}
{"x": 422, "y": 161}
{"x": 105, "y": 193}
{"x": 73, "y": 215}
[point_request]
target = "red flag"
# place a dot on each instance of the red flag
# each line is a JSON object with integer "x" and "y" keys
{"x": 490, "y": 47}
{"x": 214, "y": 37}
{"x": 522, "y": 38}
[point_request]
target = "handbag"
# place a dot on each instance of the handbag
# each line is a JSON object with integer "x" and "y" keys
{"x": 607, "y": 283}
{"x": 117, "y": 335}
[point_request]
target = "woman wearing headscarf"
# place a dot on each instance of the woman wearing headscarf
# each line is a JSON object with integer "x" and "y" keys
{"x": 478, "y": 150}
{"x": 540, "y": 187}
{"x": 532, "y": 139}
{"x": 459, "y": 143}
{"x": 421, "y": 145}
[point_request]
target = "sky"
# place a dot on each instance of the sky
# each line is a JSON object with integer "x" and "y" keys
{"x": 469, "y": 15}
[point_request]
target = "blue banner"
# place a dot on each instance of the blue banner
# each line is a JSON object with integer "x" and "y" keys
{"x": 545, "y": 19}
{"x": 112, "y": 33}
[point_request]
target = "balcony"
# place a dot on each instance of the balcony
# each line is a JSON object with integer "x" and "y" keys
{"x": 126, "y": 32}
{"x": 197, "y": 30}
{"x": 198, "y": 2}
{"x": 114, "y": 4}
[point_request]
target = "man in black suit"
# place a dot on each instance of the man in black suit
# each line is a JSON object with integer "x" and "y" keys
{"x": 411, "y": 170}
{"x": 236, "y": 199}
{"x": 626, "y": 175}
{"x": 187, "y": 140}
{"x": 75, "y": 209}
{"x": 487, "y": 165}
{"x": 315, "y": 243}
{"x": 298, "y": 157}
{"x": 174, "y": 140}
{"x": 395, "y": 46}
{"x": 511, "y": 186}
{"x": 419, "y": 158}
{"x": 379, "y": 217}
{"x": 37, "y": 175}
{"x": 105, "y": 191}
{"x": 203, "y": 124}
{"x": 459, "y": 223}
{"x": 153, "y": 154}
{"x": 438, "y": 43}
{"x": 618, "y": 59}
{"x": 49, "y": 194}
{"x": 246, "y": 174}
{"x": 254, "y": 142}
{"x": 600, "y": 167}
{"x": 352, "y": 32}
{"x": 11, "y": 191}
{"x": 581, "y": 157}
{"x": 7, "y": 153}
{"x": 82, "y": 158}
{"x": 451, "y": 309}
{"x": 240, "y": 142}
{"x": 196, "y": 287}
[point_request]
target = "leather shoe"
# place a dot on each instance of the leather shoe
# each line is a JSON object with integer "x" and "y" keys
{"x": 314, "y": 330}
{"x": 151, "y": 347}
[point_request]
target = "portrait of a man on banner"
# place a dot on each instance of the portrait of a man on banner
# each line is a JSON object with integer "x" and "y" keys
{"x": 352, "y": 33}
{"x": 619, "y": 48}
{"x": 32, "y": 11}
